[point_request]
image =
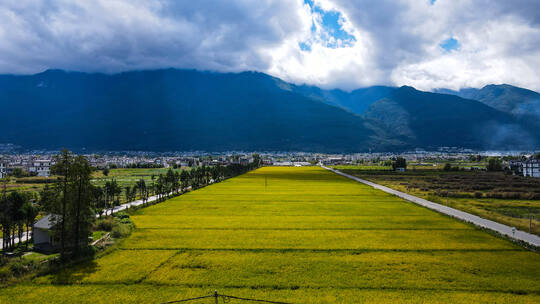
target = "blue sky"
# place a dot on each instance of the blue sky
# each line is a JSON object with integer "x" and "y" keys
{"x": 330, "y": 43}
{"x": 450, "y": 44}
{"x": 331, "y": 26}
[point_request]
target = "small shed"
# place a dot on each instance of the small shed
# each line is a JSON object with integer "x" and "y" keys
{"x": 43, "y": 236}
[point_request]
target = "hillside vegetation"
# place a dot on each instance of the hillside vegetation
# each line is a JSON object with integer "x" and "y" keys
{"x": 186, "y": 110}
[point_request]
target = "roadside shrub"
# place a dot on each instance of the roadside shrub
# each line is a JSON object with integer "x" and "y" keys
{"x": 478, "y": 194}
{"x": 461, "y": 195}
{"x": 495, "y": 195}
{"x": 535, "y": 196}
{"x": 434, "y": 198}
{"x": 121, "y": 230}
{"x": 510, "y": 195}
{"x": 5, "y": 274}
{"x": 105, "y": 224}
{"x": 3, "y": 260}
{"x": 19, "y": 268}
{"x": 121, "y": 215}
{"x": 126, "y": 221}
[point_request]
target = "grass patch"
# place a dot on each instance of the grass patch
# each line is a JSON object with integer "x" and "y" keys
{"x": 510, "y": 200}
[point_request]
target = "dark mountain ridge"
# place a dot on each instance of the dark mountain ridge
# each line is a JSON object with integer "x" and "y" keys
{"x": 521, "y": 103}
{"x": 181, "y": 110}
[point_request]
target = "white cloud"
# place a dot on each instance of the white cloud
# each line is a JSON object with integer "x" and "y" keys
{"x": 396, "y": 42}
{"x": 498, "y": 42}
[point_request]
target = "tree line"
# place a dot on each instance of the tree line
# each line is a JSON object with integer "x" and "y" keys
{"x": 72, "y": 201}
{"x": 170, "y": 183}
{"x": 17, "y": 214}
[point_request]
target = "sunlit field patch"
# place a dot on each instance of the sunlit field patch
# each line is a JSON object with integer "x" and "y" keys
{"x": 292, "y": 222}
{"x": 314, "y": 239}
{"x": 121, "y": 266}
{"x": 144, "y": 293}
{"x": 300, "y": 235}
{"x": 447, "y": 270}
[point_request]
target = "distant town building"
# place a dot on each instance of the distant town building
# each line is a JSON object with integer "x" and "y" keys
{"x": 282, "y": 163}
{"x": 41, "y": 167}
{"x": 333, "y": 161}
{"x": 531, "y": 168}
{"x": 3, "y": 169}
{"x": 516, "y": 166}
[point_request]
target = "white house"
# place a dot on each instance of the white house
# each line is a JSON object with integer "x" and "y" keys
{"x": 531, "y": 168}
{"x": 3, "y": 169}
{"x": 41, "y": 167}
{"x": 43, "y": 237}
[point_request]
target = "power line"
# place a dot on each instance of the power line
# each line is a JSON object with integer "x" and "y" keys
{"x": 190, "y": 299}
{"x": 216, "y": 296}
{"x": 253, "y": 300}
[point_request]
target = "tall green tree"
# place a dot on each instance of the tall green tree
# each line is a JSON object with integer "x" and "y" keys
{"x": 494, "y": 164}
{"x": 160, "y": 185}
{"x": 30, "y": 214}
{"x": 82, "y": 213}
{"x": 141, "y": 186}
{"x": 73, "y": 210}
{"x": 184, "y": 179}
{"x": 62, "y": 169}
{"x": 99, "y": 199}
{"x": 127, "y": 193}
{"x": 399, "y": 162}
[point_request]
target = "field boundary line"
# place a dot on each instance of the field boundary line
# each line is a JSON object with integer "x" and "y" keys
{"x": 167, "y": 260}
{"x": 344, "y": 250}
{"x": 508, "y": 231}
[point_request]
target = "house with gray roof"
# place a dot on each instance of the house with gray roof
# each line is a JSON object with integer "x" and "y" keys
{"x": 43, "y": 236}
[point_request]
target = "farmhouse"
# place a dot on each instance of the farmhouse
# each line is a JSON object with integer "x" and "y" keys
{"x": 531, "y": 168}
{"x": 43, "y": 237}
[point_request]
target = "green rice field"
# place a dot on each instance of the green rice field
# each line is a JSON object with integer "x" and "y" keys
{"x": 507, "y": 199}
{"x": 297, "y": 235}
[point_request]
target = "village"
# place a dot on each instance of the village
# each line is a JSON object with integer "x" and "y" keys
{"x": 30, "y": 164}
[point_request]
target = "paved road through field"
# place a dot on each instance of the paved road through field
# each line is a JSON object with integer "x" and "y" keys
{"x": 24, "y": 238}
{"x": 464, "y": 216}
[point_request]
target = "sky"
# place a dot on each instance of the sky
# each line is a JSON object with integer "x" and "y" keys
{"x": 343, "y": 44}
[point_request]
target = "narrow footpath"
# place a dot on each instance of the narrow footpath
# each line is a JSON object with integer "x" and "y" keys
{"x": 511, "y": 232}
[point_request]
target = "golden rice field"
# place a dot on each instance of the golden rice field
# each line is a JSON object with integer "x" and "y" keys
{"x": 305, "y": 235}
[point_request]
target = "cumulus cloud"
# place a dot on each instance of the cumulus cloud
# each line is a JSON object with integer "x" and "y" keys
{"x": 118, "y": 35}
{"x": 330, "y": 43}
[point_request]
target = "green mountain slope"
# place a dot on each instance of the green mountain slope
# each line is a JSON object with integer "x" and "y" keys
{"x": 181, "y": 110}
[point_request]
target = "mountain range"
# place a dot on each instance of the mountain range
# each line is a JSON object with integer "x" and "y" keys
{"x": 182, "y": 110}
